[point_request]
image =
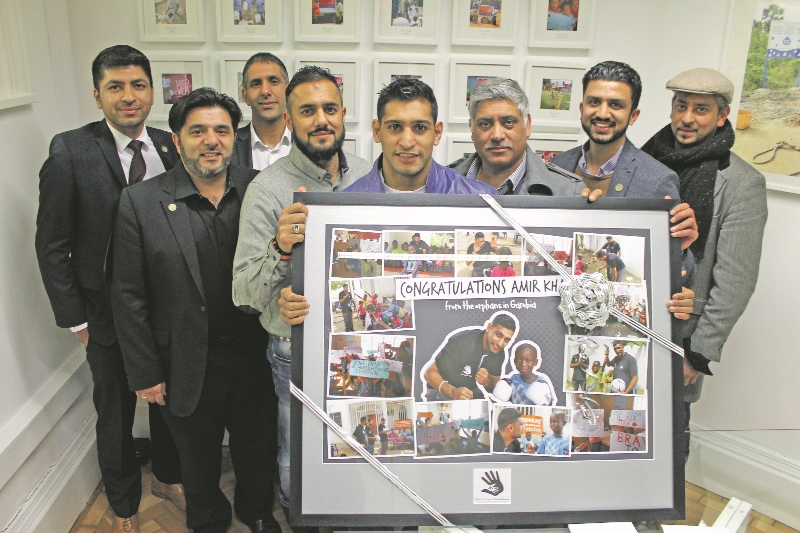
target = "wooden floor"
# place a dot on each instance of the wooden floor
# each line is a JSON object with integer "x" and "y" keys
{"x": 161, "y": 516}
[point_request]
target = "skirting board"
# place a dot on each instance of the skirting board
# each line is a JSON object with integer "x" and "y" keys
{"x": 734, "y": 467}
{"x": 66, "y": 487}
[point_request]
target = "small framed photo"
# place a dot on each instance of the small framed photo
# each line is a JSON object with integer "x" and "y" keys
{"x": 485, "y": 23}
{"x": 399, "y": 22}
{"x": 549, "y": 145}
{"x": 561, "y": 23}
{"x": 173, "y": 77}
{"x": 459, "y": 145}
{"x": 249, "y": 20}
{"x": 352, "y": 144}
{"x": 390, "y": 70}
{"x": 347, "y": 75}
{"x": 327, "y": 20}
{"x": 555, "y": 92}
{"x": 171, "y": 20}
{"x": 464, "y": 76}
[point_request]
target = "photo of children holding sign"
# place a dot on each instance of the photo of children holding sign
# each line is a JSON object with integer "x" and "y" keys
{"x": 440, "y": 246}
{"x": 382, "y": 427}
{"x": 531, "y": 430}
{"x": 446, "y": 429}
{"x": 376, "y": 297}
{"x": 602, "y": 424}
{"x": 505, "y": 244}
{"x": 370, "y": 366}
{"x": 354, "y": 241}
{"x": 616, "y": 366}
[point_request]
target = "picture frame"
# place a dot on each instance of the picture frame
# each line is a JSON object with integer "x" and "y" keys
{"x": 409, "y": 28}
{"x": 171, "y": 20}
{"x": 546, "y": 29}
{"x": 459, "y": 145}
{"x": 174, "y": 76}
{"x": 352, "y": 144}
{"x": 555, "y": 91}
{"x": 230, "y": 72}
{"x": 328, "y": 25}
{"x": 388, "y": 69}
{"x": 261, "y": 23}
{"x": 485, "y": 25}
{"x": 464, "y": 74}
{"x": 452, "y": 483}
{"x": 349, "y": 71}
{"x": 548, "y": 145}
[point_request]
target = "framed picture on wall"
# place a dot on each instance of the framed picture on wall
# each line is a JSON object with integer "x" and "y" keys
{"x": 555, "y": 92}
{"x": 173, "y": 77}
{"x": 171, "y": 20}
{"x": 230, "y": 71}
{"x": 347, "y": 76}
{"x": 249, "y": 20}
{"x": 459, "y": 145}
{"x": 549, "y": 145}
{"x": 327, "y": 20}
{"x": 485, "y": 22}
{"x": 464, "y": 75}
{"x": 352, "y": 144}
{"x": 389, "y": 70}
{"x": 411, "y": 22}
{"x": 561, "y": 23}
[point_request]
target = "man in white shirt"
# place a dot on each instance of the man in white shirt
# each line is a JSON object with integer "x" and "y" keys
{"x": 266, "y": 139}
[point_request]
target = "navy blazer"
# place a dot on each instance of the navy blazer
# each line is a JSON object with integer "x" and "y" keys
{"x": 242, "y": 148}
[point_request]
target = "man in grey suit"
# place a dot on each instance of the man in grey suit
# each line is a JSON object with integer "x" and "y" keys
{"x": 267, "y": 138}
{"x": 730, "y": 201}
{"x": 501, "y": 124}
{"x": 608, "y": 161}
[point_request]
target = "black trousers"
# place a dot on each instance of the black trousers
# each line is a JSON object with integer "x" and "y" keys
{"x": 238, "y": 396}
{"x": 116, "y": 405}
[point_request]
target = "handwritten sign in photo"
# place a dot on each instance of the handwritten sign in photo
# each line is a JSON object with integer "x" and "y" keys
{"x": 584, "y": 428}
{"x": 627, "y": 442}
{"x": 369, "y": 369}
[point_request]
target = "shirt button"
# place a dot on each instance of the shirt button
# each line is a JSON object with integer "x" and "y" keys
{"x": 203, "y": 308}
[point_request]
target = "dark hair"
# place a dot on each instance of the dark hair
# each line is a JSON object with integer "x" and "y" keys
{"x": 616, "y": 71}
{"x": 120, "y": 55}
{"x": 504, "y": 250}
{"x": 308, "y": 74}
{"x": 507, "y": 416}
{"x": 618, "y": 342}
{"x": 601, "y": 254}
{"x": 363, "y": 418}
{"x": 504, "y": 320}
{"x": 202, "y": 97}
{"x": 264, "y": 57}
{"x": 479, "y": 235}
{"x": 407, "y": 90}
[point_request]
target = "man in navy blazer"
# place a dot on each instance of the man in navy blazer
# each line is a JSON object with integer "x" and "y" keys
{"x": 608, "y": 161}
{"x": 79, "y": 189}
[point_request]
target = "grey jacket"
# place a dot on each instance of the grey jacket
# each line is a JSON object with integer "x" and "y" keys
{"x": 538, "y": 179}
{"x": 726, "y": 276}
{"x": 637, "y": 175}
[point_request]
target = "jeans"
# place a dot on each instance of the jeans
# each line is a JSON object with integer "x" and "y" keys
{"x": 279, "y": 355}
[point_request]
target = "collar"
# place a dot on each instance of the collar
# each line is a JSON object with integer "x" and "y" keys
{"x": 122, "y": 141}
{"x": 185, "y": 187}
{"x": 311, "y": 169}
{"x": 515, "y": 177}
{"x": 286, "y": 140}
{"x": 390, "y": 190}
{"x": 606, "y": 168}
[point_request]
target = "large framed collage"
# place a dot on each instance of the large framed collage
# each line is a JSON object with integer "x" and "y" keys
{"x": 441, "y": 349}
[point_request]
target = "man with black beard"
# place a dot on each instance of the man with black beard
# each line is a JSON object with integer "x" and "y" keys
{"x": 270, "y": 224}
{"x": 608, "y": 161}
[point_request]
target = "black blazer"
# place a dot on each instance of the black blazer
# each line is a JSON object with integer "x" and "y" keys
{"x": 79, "y": 189}
{"x": 157, "y": 289}
{"x": 242, "y": 150}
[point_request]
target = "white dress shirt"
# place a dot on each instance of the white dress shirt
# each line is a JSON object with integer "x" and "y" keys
{"x": 151, "y": 158}
{"x": 263, "y": 155}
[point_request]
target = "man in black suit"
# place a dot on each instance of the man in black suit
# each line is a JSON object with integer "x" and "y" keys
{"x": 186, "y": 346}
{"x": 266, "y": 139}
{"x": 80, "y": 184}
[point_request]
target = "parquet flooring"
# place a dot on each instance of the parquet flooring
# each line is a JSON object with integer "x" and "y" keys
{"x": 161, "y": 516}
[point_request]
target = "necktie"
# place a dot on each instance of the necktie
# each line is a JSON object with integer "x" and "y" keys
{"x": 138, "y": 168}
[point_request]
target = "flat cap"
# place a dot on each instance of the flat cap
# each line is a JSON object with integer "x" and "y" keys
{"x": 702, "y": 81}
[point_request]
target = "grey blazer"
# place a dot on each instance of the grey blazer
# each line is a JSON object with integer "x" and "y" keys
{"x": 637, "y": 175}
{"x": 726, "y": 276}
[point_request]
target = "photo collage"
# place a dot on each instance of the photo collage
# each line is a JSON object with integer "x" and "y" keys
{"x": 446, "y": 343}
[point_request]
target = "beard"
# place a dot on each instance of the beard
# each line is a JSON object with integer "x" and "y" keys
{"x": 324, "y": 153}
{"x": 615, "y": 134}
{"x": 194, "y": 167}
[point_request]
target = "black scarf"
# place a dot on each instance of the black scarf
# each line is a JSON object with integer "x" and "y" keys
{"x": 696, "y": 167}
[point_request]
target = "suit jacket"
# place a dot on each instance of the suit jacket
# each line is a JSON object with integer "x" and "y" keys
{"x": 727, "y": 273}
{"x": 242, "y": 149}
{"x": 637, "y": 175}
{"x": 538, "y": 179}
{"x": 157, "y": 289}
{"x": 79, "y": 188}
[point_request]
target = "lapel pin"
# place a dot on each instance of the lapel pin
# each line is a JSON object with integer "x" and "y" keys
{"x": 619, "y": 187}
{"x": 164, "y": 149}
{"x": 172, "y": 207}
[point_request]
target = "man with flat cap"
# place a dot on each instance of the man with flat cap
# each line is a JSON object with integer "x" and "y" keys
{"x": 730, "y": 203}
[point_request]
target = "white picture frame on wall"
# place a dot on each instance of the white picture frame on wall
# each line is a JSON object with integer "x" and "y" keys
{"x": 459, "y": 145}
{"x": 328, "y": 26}
{"x": 555, "y": 92}
{"x": 548, "y": 145}
{"x": 546, "y": 28}
{"x": 352, "y": 144}
{"x": 174, "y": 76}
{"x": 464, "y": 75}
{"x": 387, "y": 70}
{"x": 485, "y": 25}
{"x": 349, "y": 72}
{"x": 262, "y": 22}
{"x": 407, "y": 29}
{"x": 171, "y": 20}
